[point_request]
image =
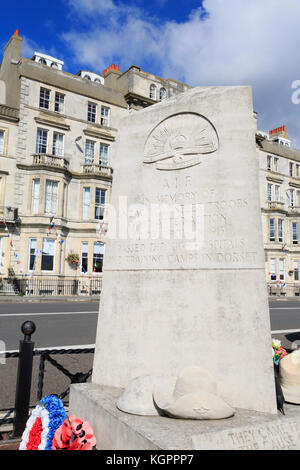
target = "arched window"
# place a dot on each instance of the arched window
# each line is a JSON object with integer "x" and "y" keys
{"x": 87, "y": 77}
{"x": 162, "y": 94}
{"x": 152, "y": 93}
{"x": 54, "y": 65}
{"x": 42, "y": 61}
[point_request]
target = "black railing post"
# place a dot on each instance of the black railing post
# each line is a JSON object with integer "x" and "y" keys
{"x": 24, "y": 379}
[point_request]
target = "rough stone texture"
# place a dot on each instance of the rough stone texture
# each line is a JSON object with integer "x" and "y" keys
{"x": 115, "y": 430}
{"x": 165, "y": 307}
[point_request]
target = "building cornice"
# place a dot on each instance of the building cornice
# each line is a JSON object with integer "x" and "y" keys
{"x": 295, "y": 184}
{"x": 9, "y": 114}
{"x": 275, "y": 177}
{"x": 53, "y": 123}
{"x": 98, "y": 134}
{"x": 67, "y": 173}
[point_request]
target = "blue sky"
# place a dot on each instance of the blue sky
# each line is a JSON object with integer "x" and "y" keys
{"x": 209, "y": 42}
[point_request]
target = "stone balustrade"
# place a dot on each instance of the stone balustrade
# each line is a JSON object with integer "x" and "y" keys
{"x": 50, "y": 160}
{"x": 91, "y": 168}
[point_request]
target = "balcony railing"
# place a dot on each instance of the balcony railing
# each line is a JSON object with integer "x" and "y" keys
{"x": 276, "y": 205}
{"x": 91, "y": 168}
{"x": 50, "y": 160}
{"x": 294, "y": 209}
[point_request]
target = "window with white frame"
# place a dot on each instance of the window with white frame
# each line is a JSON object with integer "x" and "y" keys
{"x": 292, "y": 197}
{"x": 296, "y": 270}
{"x": 84, "y": 256}
{"x": 61, "y": 255}
{"x": 59, "y": 105}
{"x": 269, "y": 163}
{"x": 291, "y": 169}
{"x": 295, "y": 233}
{"x": 276, "y": 164}
{"x": 42, "y": 141}
{"x": 281, "y": 269}
{"x": 105, "y": 116}
{"x": 103, "y": 154}
{"x": 64, "y": 199}
{"x": 273, "y": 269}
{"x": 1, "y": 253}
{"x": 58, "y": 144}
{"x": 98, "y": 255}
{"x": 277, "y": 193}
{"x": 89, "y": 151}
{"x": 162, "y": 94}
{"x": 272, "y": 230}
{"x": 280, "y": 230}
{"x": 2, "y": 135}
{"x": 48, "y": 254}
{"x": 32, "y": 253}
{"x": 51, "y": 192}
{"x": 152, "y": 92}
{"x": 100, "y": 197}
{"x": 270, "y": 191}
{"x": 86, "y": 203}
{"x": 92, "y": 112}
{"x": 44, "y": 98}
{"x": 35, "y": 196}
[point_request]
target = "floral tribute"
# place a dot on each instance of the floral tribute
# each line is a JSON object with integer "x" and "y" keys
{"x": 74, "y": 434}
{"x": 45, "y": 419}
{"x": 278, "y": 351}
{"x": 73, "y": 258}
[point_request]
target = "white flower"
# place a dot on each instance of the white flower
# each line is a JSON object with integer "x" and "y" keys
{"x": 276, "y": 344}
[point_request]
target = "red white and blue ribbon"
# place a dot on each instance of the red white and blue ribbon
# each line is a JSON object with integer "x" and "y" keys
{"x": 45, "y": 419}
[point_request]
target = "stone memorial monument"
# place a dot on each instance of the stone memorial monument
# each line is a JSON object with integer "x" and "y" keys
{"x": 184, "y": 278}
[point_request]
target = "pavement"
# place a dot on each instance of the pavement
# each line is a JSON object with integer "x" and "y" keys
{"x": 47, "y": 299}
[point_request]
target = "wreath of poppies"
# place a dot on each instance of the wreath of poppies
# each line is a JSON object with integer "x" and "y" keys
{"x": 74, "y": 434}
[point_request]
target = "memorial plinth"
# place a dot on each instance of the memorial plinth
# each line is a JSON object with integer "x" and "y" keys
{"x": 247, "y": 430}
{"x": 170, "y": 303}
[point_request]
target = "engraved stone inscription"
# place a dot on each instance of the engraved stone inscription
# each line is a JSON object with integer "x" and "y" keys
{"x": 178, "y": 141}
{"x": 269, "y": 436}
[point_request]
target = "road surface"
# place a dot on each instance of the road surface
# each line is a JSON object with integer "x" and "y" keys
{"x": 75, "y": 323}
{"x": 58, "y": 324}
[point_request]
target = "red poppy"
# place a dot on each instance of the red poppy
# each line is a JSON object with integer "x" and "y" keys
{"x": 74, "y": 434}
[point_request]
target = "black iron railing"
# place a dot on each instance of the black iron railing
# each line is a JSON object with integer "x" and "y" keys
{"x": 49, "y": 287}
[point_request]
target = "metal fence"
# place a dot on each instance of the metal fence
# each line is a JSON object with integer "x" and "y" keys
{"x": 49, "y": 287}
{"x": 25, "y": 357}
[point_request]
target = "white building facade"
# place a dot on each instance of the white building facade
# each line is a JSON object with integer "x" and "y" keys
{"x": 280, "y": 204}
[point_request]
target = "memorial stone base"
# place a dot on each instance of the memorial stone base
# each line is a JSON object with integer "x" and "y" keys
{"x": 115, "y": 430}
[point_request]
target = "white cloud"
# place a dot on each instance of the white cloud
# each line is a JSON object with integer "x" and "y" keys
{"x": 29, "y": 47}
{"x": 90, "y": 6}
{"x": 237, "y": 42}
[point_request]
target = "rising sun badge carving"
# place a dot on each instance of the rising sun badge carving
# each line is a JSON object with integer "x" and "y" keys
{"x": 179, "y": 141}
